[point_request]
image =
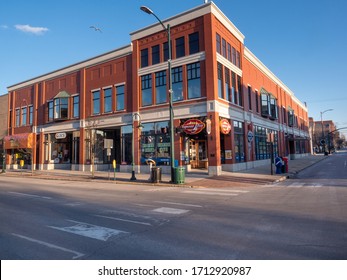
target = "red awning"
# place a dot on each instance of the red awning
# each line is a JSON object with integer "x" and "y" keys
{"x": 19, "y": 141}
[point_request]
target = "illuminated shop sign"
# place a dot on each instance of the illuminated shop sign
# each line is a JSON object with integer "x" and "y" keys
{"x": 225, "y": 126}
{"x": 60, "y": 135}
{"x": 193, "y": 126}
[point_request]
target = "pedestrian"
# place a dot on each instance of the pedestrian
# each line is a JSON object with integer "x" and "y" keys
{"x": 278, "y": 163}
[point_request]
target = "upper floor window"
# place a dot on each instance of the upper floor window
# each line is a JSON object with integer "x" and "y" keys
{"x": 250, "y": 97}
{"x": 50, "y": 111}
{"x": 144, "y": 57}
{"x": 218, "y": 43}
{"x": 17, "y": 117}
{"x": 220, "y": 80}
{"x": 268, "y": 105}
{"x": 166, "y": 51}
{"x": 120, "y": 97}
{"x": 224, "y": 47}
{"x": 155, "y": 54}
{"x": 194, "y": 83}
{"x": 107, "y": 100}
{"x": 24, "y": 116}
{"x": 96, "y": 102}
{"x": 177, "y": 84}
{"x": 76, "y": 106}
{"x": 180, "y": 47}
{"x": 31, "y": 114}
{"x": 146, "y": 90}
{"x": 61, "y": 108}
{"x": 291, "y": 120}
{"x": 160, "y": 87}
{"x": 194, "y": 43}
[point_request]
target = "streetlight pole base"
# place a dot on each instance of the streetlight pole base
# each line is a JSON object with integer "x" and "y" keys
{"x": 133, "y": 178}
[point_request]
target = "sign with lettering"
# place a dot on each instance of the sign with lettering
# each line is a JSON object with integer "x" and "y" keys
{"x": 225, "y": 126}
{"x": 193, "y": 126}
{"x": 60, "y": 135}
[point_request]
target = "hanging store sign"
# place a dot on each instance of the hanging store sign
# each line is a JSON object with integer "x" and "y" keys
{"x": 225, "y": 126}
{"x": 193, "y": 126}
{"x": 60, "y": 135}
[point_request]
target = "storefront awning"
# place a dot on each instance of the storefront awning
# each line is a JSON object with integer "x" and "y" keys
{"x": 19, "y": 141}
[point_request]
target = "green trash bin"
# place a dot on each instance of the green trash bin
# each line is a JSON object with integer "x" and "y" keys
{"x": 179, "y": 175}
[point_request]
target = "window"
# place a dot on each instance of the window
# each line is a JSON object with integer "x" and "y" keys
{"x": 227, "y": 84}
{"x": 238, "y": 59}
{"x": 233, "y": 56}
{"x": 146, "y": 87}
{"x": 76, "y": 106}
{"x": 61, "y": 108}
{"x": 268, "y": 105}
{"x": 220, "y": 80}
{"x": 31, "y": 114}
{"x": 229, "y": 52}
{"x": 233, "y": 88}
{"x": 290, "y": 117}
{"x": 250, "y": 97}
{"x": 218, "y": 43}
{"x": 239, "y": 142}
{"x": 107, "y": 100}
{"x": 17, "y": 117}
{"x": 180, "y": 49}
{"x": 224, "y": 48}
{"x": 166, "y": 50}
{"x": 239, "y": 87}
{"x": 50, "y": 110}
{"x": 257, "y": 101}
{"x": 265, "y": 104}
{"x": 160, "y": 87}
{"x": 155, "y": 55}
{"x": 24, "y": 116}
{"x": 177, "y": 85}
{"x": 273, "y": 107}
{"x": 120, "y": 90}
{"x": 193, "y": 75}
{"x": 96, "y": 102}
{"x": 194, "y": 43}
{"x": 144, "y": 58}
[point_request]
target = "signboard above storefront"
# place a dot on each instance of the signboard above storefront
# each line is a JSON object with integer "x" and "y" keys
{"x": 225, "y": 126}
{"x": 193, "y": 126}
{"x": 60, "y": 135}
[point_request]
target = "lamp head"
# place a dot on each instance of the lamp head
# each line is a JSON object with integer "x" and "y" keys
{"x": 146, "y": 10}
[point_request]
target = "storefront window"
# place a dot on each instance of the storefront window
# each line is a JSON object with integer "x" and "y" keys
{"x": 126, "y": 138}
{"x": 239, "y": 142}
{"x": 60, "y": 151}
{"x": 155, "y": 143}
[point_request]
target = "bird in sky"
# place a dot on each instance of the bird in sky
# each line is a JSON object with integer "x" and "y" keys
{"x": 96, "y": 28}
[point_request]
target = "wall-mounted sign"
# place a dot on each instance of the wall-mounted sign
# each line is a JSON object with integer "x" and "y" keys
{"x": 60, "y": 135}
{"x": 225, "y": 126}
{"x": 193, "y": 126}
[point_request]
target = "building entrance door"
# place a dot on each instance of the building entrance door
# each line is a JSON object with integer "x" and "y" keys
{"x": 198, "y": 153}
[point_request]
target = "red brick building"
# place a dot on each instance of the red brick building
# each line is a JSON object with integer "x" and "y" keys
{"x": 228, "y": 106}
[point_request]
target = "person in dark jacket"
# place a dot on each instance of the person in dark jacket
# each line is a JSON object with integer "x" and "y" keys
{"x": 278, "y": 163}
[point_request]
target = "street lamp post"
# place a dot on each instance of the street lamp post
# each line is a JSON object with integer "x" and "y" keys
{"x": 140, "y": 126}
{"x": 172, "y": 148}
{"x": 321, "y": 120}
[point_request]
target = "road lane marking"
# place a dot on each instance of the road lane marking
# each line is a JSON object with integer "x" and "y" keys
{"x": 50, "y": 245}
{"x": 124, "y": 220}
{"x": 31, "y": 195}
{"x": 168, "y": 210}
{"x": 211, "y": 193}
{"x": 90, "y": 230}
{"x": 180, "y": 204}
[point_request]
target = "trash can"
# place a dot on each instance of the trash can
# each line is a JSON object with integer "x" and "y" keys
{"x": 285, "y": 165}
{"x": 179, "y": 173}
{"x": 155, "y": 174}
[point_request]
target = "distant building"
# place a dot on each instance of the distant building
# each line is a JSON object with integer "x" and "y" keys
{"x": 228, "y": 106}
{"x": 3, "y": 124}
{"x": 323, "y": 135}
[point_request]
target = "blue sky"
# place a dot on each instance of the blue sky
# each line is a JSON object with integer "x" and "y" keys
{"x": 303, "y": 42}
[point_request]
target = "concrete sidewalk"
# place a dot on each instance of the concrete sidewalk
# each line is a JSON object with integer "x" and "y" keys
{"x": 199, "y": 178}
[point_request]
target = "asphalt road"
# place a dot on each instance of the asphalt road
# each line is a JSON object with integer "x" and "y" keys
{"x": 300, "y": 218}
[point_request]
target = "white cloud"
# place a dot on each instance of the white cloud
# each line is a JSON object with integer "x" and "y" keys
{"x": 30, "y": 29}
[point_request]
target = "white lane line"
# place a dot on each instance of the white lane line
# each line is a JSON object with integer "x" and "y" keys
{"x": 173, "y": 211}
{"x": 77, "y": 254}
{"x": 90, "y": 230}
{"x": 31, "y": 195}
{"x": 180, "y": 204}
{"x": 124, "y": 220}
{"x": 211, "y": 193}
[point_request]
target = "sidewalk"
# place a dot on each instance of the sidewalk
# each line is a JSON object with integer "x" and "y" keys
{"x": 260, "y": 175}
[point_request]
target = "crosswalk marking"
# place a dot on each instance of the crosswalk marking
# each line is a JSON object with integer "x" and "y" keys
{"x": 123, "y": 220}
{"x": 211, "y": 193}
{"x": 50, "y": 245}
{"x": 304, "y": 185}
{"x": 90, "y": 230}
{"x": 168, "y": 210}
{"x": 177, "y": 203}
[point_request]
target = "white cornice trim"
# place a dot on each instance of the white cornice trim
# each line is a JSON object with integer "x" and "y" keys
{"x": 126, "y": 50}
{"x": 191, "y": 14}
{"x": 257, "y": 63}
